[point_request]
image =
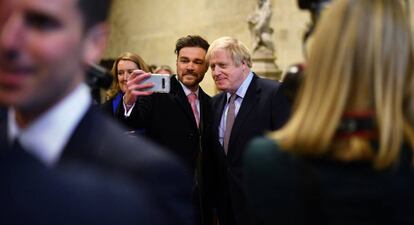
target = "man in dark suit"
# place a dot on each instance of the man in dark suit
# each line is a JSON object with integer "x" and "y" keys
{"x": 247, "y": 107}
{"x": 44, "y": 47}
{"x": 176, "y": 122}
{"x": 35, "y": 194}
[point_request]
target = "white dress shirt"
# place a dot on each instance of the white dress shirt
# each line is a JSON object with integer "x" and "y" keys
{"x": 47, "y": 136}
{"x": 241, "y": 92}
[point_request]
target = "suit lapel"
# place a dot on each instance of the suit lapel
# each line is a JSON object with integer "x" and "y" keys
{"x": 203, "y": 107}
{"x": 219, "y": 107}
{"x": 76, "y": 148}
{"x": 250, "y": 100}
{"x": 179, "y": 96}
{"x": 4, "y": 144}
{"x": 219, "y": 104}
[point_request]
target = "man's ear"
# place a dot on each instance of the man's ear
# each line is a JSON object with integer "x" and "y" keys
{"x": 95, "y": 43}
{"x": 244, "y": 65}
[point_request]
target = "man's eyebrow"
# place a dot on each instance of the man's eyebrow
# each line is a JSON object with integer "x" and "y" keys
{"x": 38, "y": 17}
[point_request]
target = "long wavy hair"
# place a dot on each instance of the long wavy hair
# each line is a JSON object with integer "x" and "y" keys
{"x": 361, "y": 59}
{"x": 115, "y": 89}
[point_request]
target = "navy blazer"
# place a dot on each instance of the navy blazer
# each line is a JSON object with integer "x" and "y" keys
{"x": 263, "y": 109}
{"x": 99, "y": 144}
{"x": 32, "y": 193}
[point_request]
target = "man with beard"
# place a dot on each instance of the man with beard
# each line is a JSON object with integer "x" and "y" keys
{"x": 49, "y": 126}
{"x": 179, "y": 120}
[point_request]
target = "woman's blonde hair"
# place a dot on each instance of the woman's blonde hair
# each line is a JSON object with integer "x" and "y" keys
{"x": 129, "y": 57}
{"x": 361, "y": 59}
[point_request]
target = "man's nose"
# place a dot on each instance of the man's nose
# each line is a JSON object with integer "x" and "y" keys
{"x": 11, "y": 32}
{"x": 215, "y": 71}
{"x": 190, "y": 66}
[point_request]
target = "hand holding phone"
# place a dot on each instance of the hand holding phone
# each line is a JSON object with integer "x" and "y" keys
{"x": 141, "y": 83}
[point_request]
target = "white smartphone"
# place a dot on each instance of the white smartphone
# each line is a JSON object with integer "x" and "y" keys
{"x": 161, "y": 83}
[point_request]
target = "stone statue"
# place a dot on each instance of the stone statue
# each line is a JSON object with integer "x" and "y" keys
{"x": 263, "y": 48}
{"x": 260, "y": 29}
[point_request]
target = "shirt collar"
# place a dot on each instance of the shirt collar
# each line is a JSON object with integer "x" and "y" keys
{"x": 241, "y": 92}
{"x": 186, "y": 90}
{"x": 46, "y": 136}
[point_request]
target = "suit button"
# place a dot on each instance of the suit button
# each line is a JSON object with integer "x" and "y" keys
{"x": 190, "y": 136}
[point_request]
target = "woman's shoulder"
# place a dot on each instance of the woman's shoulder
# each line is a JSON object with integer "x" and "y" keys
{"x": 264, "y": 147}
{"x": 263, "y": 152}
{"x": 107, "y": 105}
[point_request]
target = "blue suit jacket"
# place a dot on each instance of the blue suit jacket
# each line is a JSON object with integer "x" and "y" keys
{"x": 152, "y": 179}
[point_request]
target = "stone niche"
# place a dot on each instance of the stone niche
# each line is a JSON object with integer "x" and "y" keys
{"x": 265, "y": 65}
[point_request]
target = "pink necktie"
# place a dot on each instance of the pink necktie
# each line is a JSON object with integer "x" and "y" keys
{"x": 192, "y": 98}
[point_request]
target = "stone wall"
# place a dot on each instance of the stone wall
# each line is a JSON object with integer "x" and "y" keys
{"x": 151, "y": 27}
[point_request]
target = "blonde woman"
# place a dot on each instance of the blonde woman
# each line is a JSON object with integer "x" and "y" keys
{"x": 121, "y": 69}
{"x": 344, "y": 157}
